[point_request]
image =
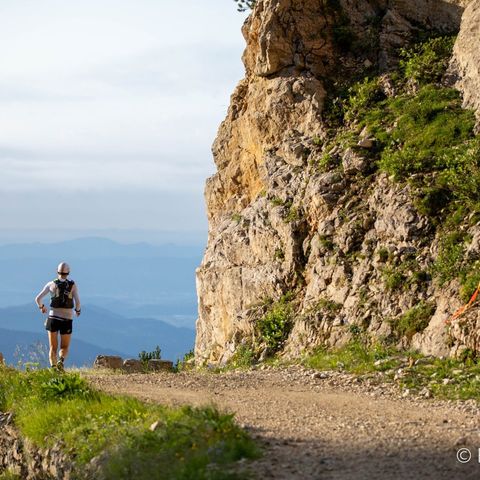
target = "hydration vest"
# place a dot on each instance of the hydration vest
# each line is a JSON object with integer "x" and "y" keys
{"x": 62, "y": 297}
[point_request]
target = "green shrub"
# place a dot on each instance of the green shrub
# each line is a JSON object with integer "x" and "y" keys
{"x": 66, "y": 386}
{"x": 448, "y": 263}
{"x": 293, "y": 215}
{"x": 243, "y": 357}
{"x": 414, "y": 320}
{"x": 432, "y": 200}
{"x": 326, "y": 162}
{"x": 343, "y": 36}
{"x": 469, "y": 282}
{"x": 275, "y": 326}
{"x": 328, "y": 305}
{"x": 427, "y": 62}
{"x": 326, "y": 242}
{"x": 277, "y": 202}
{"x": 394, "y": 279}
{"x": 186, "y": 362}
{"x": 383, "y": 254}
{"x": 429, "y": 128}
{"x": 362, "y": 96}
{"x": 9, "y": 475}
{"x": 146, "y": 356}
{"x": 461, "y": 177}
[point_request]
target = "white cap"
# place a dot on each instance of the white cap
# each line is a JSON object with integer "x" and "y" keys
{"x": 63, "y": 268}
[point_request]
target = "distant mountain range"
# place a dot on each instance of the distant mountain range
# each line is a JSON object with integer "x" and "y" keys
{"x": 97, "y": 247}
{"x": 96, "y": 331}
{"x": 132, "y": 280}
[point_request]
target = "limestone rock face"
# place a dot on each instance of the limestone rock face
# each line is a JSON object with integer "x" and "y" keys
{"x": 466, "y": 59}
{"x": 277, "y": 224}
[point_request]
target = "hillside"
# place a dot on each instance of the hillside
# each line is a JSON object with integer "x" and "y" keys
{"x": 20, "y": 347}
{"x": 346, "y": 200}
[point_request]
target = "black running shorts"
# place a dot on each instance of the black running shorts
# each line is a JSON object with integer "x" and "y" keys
{"x": 56, "y": 325}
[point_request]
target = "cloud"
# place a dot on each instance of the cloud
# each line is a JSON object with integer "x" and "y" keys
{"x": 114, "y": 104}
{"x": 61, "y": 211}
{"x": 24, "y": 173}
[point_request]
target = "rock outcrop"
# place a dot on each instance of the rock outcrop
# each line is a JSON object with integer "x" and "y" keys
{"x": 466, "y": 58}
{"x": 19, "y": 457}
{"x": 279, "y": 226}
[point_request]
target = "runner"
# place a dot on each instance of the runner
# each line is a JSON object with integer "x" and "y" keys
{"x": 64, "y": 298}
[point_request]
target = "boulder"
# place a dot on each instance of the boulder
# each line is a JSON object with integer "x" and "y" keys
{"x": 353, "y": 162}
{"x": 132, "y": 365}
{"x": 156, "y": 365}
{"x": 108, "y": 361}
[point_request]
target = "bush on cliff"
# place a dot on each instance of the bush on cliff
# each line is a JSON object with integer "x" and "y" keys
{"x": 276, "y": 324}
{"x": 424, "y": 137}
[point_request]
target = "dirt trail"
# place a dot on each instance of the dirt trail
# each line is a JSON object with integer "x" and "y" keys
{"x": 326, "y": 426}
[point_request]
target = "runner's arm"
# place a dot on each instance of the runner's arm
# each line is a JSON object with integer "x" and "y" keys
{"x": 38, "y": 298}
{"x": 76, "y": 297}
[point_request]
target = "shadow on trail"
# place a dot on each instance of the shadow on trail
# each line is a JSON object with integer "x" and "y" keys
{"x": 295, "y": 459}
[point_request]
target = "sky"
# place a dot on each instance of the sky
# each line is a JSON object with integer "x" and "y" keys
{"x": 108, "y": 110}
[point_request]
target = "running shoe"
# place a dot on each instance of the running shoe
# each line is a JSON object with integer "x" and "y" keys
{"x": 60, "y": 366}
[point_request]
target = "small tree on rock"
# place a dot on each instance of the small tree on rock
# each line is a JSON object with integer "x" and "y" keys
{"x": 243, "y": 5}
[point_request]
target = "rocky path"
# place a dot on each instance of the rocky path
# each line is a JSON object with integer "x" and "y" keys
{"x": 326, "y": 425}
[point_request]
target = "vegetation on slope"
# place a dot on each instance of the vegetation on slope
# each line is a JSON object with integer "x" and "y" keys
{"x": 187, "y": 443}
{"x": 429, "y": 376}
{"x": 424, "y": 137}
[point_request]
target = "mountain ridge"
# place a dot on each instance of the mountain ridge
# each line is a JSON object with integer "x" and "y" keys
{"x": 108, "y": 331}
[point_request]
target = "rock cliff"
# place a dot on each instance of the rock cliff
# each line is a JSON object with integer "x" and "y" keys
{"x": 466, "y": 59}
{"x": 311, "y": 240}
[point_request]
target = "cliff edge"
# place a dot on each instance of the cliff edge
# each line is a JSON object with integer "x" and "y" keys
{"x": 330, "y": 214}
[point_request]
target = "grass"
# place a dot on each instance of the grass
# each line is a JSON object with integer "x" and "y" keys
{"x": 243, "y": 358}
{"x": 189, "y": 443}
{"x": 394, "y": 279}
{"x": 443, "y": 378}
{"x": 429, "y": 129}
{"x": 9, "y": 475}
{"x": 426, "y": 62}
{"x": 354, "y": 357}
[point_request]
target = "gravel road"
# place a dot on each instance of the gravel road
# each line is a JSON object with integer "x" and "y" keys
{"x": 327, "y": 425}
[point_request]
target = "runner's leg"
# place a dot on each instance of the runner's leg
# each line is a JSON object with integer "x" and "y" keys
{"x": 53, "y": 342}
{"x": 64, "y": 345}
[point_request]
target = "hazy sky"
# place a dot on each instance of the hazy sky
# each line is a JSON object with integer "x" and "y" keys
{"x": 108, "y": 110}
